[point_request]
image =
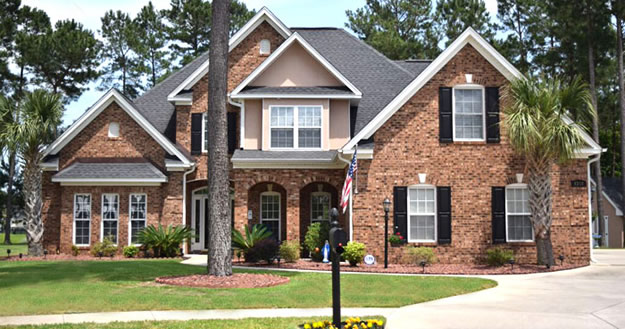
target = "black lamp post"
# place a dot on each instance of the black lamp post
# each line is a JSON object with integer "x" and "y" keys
{"x": 387, "y": 208}
{"x": 561, "y": 258}
{"x": 45, "y": 254}
{"x": 511, "y": 262}
{"x": 8, "y": 253}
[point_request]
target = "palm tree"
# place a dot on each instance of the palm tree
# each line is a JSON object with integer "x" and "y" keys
{"x": 39, "y": 115}
{"x": 535, "y": 112}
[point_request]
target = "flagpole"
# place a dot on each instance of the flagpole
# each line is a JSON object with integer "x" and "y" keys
{"x": 356, "y": 173}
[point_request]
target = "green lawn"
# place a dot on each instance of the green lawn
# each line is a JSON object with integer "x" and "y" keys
{"x": 104, "y": 286}
{"x": 18, "y": 245}
{"x": 268, "y": 323}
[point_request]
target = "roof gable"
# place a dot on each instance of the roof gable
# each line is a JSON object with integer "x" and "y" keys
{"x": 295, "y": 39}
{"x": 108, "y": 98}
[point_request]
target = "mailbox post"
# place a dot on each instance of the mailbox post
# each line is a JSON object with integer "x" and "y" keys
{"x": 338, "y": 239}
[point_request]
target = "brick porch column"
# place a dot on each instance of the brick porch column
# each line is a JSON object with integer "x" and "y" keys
{"x": 292, "y": 213}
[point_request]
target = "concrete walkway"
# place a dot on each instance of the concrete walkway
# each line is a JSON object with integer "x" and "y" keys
{"x": 188, "y": 315}
{"x": 590, "y": 297}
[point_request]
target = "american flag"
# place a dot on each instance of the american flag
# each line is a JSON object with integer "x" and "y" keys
{"x": 347, "y": 186}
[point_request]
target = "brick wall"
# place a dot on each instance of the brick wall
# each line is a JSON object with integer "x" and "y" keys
{"x": 407, "y": 144}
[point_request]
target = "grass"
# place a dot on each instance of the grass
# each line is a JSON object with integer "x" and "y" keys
{"x": 18, "y": 245}
{"x": 252, "y": 323}
{"x": 104, "y": 286}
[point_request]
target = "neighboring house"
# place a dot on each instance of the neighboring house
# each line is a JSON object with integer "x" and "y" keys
{"x": 614, "y": 221}
{"x": 300, "y": 101}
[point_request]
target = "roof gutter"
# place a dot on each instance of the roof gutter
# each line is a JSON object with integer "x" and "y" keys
{"x": 184, "y": 202}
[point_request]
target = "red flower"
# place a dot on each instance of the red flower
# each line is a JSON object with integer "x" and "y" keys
{"x": 401, "y": 237}
{"x": 398, "y": 233}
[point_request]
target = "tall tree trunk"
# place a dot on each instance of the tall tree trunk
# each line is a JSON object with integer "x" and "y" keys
{"x": 595, "y": 123}
{"x": 32, "y": 205}
{"x": 540, "y": 194}
{"x": 9, "y": 199}
{"x": 621, "y": 86}
{"x": 219, "y": 242}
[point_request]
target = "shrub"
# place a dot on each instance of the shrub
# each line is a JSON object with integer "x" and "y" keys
{"x": 315, "y": 239}
{"x": 266, "y": 250}
{"x": 396, "y": 239}
{"x": 130, "y": 251}
{"x": 75, "y": 251}
{"x": 416, "y": 255}
{"x": 164, "y": 241}
{"x": 252, "y": 237}
{"x": 354, "y": 252}
{"x": 106, "y": 247}
{"x": 290, "y": 250}
{"x": 498, "y": 257}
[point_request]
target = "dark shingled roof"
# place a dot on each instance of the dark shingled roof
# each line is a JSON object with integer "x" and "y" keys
{"x": 377, "y": 77}
{"x": 296, "y": 91}
{"x": 613, "y": 187}
{"x": 86, "y": 170}
{"x": 416, "y": 66}
{"x": 253, "y": 155}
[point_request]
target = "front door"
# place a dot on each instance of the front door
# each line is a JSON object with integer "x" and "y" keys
{"x": 199, "y": 215}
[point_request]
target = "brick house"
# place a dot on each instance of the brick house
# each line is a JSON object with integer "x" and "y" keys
{"x": 301, "y": 101}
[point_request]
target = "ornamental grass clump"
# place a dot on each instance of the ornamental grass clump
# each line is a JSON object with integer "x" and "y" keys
{"x": 416, "y": 255}
{"x": 130, "y": 251}
{"x": 106, "y": 248}
{"x": 164, "y": 241}
{"x": 290, "y": 251}
{"x": 498, "y": 256}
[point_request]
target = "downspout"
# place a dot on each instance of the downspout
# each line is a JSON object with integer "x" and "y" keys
{"x": 351, "y": 201}
{"x": 241, "y": 107}
{"x": 592, "y": 258}
{"x": 184, "y": 203}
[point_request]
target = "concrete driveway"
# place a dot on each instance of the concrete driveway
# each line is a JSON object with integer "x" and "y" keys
{"x": 590, "y": 297}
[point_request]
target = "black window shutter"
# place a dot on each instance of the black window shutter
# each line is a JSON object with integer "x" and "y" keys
{"x": 400, "y": 210}
{"x": 443, "y": 207}
{"x": 196, "y": 133}
{"x": 232, "y": 132}
{"x": 444, "y": 119}
{"x": 499, "y": 214}
{"x": 492, "y": 115}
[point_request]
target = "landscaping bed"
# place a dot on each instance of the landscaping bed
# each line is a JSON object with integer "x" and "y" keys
{"x": 81, "y": 257}
{"x": 460, "y": 269}
{"x": 236, "y": 280}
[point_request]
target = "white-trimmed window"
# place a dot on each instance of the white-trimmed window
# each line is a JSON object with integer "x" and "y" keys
{"x": 422, "y": 214}
{"x": 319, "y": 207}
{"x": 138, "y": 215}
{"x": 265, "y": 47}
{"x": 270, "y": 212}
{"x": 468, "y": 113}
{"x": 295, "y": 127}
{"x": 518, "y": 224}
{"x": 113, "y": 129}
{"x": 110, "y": 216}
{"x": 82, "y": 219}
{"x": 204, "y": 132}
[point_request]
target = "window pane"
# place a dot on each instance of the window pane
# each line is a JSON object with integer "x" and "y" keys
{"x": 82, "y": 206}
{"x": 110, "y": 230}
{"x": 110, "y": 206}
{"x": 519, "y": 227}
{"x": 281, "y": 137}
{"x": 309, "y": 116}
{"x": 309, "y": 137}
{"x": 422, "y": 227}
{"x": 270, "y": 206}
{"x": 282, "y": 116}
{"x": 135, "y": 227}
{"x": 137, "y": 206}
{"x": 469, "y": 116}
{"x": 272, "y": 226}
{"x": 205, "y": 131}
{"x": 320, "y": 206}
{"x": 82, "y": 232}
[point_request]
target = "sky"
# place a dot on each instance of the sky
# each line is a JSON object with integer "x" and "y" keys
{"x": 293, "y": 13}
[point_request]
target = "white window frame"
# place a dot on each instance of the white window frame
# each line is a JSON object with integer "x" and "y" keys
{"x": 109, "y": 220}
{"x": 296, "y": 127}
{"x": 435, "y": 214}
{"x": 74, "y": 221}
{"x": 204, "y": 135}
{"x": 268, "y": 45}
{"x": 453, "y": 111}
{"x": 130, "y": 219}
{"x": 312, "y": 219}
{"x": 279, "y": 211}
{"x": 511, "y": 187}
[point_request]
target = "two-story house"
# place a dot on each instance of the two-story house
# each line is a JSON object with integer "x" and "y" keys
{"x": 301, "y": 101}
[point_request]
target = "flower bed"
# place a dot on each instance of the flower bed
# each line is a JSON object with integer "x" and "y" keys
{"x": 236, "y": 280}
{"x": 51, "y": 257}
{"x": 351, "y": 323}
{"x": 460, "y": 269}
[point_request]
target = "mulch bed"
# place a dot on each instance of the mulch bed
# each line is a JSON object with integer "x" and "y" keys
{"x": 461, "y": 269}
{"x": 236, "y": 280}
{"x": 55, "y": 257}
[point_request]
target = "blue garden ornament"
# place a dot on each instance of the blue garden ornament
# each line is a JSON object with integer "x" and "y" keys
{"x": 326, "y": 252}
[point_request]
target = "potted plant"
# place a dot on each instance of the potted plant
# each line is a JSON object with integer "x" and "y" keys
{"x": 397, "y": 240}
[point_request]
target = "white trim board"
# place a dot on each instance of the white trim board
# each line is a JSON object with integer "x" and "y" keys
{"x": 469, "y": 36}
{"x": 278, "y": 52}
{"x": 107, "y": 99}
{"x": 263, "y": 15}
{"x": 298, "y": 96}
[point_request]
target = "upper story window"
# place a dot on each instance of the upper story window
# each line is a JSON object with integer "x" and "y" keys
{"x": 265, "y": 47}
{"x": 422, "y": 214}
{"x": 295, "y": 127}
{"x": 518, "y": 214}
{"x": 114, "y": 129}
{"x": 204, "y": 132}
{"x": 468, "y": 113}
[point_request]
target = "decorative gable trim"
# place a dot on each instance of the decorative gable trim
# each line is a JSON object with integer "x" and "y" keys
{"x": 469, "y": 36}
{"x": 113, "y": 96}
{"x": 312, "y": 51}
{"x": 263, "y": 15}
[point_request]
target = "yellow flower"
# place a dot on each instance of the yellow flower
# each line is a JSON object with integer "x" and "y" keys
{"x": 307, "y": 326}
{"x": 369, "y": 324}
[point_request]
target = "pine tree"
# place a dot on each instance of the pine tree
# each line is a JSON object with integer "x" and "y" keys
{"x": 151, "y": 41}
{"x": 9, "y": 15}
{"x": 190, "y": 26}
{"x": 455, "y": 16}
{"x": 523, "y": 19}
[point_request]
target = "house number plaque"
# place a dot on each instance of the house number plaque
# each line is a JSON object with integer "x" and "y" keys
{"x": 578, "y": 183}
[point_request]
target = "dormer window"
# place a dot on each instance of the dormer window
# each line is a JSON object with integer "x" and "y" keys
{"x": 113, "y": 130}
{"x": 265, "y": 47}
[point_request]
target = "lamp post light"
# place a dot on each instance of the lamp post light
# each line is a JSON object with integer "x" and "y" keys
{"x": 387, "y": 208}
{"x": 561, "y": 258}
{"x": 45, "y": 254}
{"x": 511, "y": 262}
{"x": 423, "y": 263}
{"x": 8, "y": 253}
